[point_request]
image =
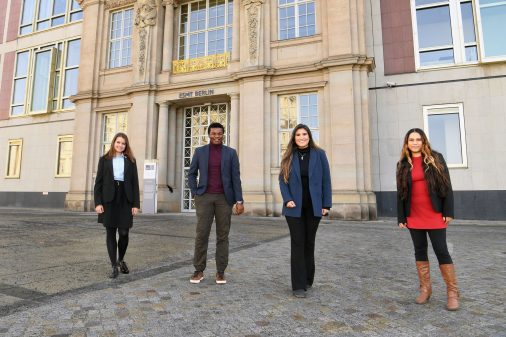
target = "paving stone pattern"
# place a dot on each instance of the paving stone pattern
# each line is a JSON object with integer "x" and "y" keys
{"x": 365, "y": 286}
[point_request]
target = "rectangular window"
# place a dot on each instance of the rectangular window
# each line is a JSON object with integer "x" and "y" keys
{"x": 43, "y": 14}
{"x": 205, "y": 28}
{"x": 64, "y": 156}
{"x": 15, "y": 148}
{"x": 297, "y": 18}
{"x": 120, "y": 38}
{"x": 295, "y": 109}
{"x": 492, "y": 16}
{"x": 446, "y": 32}
{"x": 40, "y": 93}
{"x": 45, "y": 78}
{"x": 113, "y": 123}
{"x": 446, "y": 132}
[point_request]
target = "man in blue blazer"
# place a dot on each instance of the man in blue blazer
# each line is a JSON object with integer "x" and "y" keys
{"x": 216, "y": 191}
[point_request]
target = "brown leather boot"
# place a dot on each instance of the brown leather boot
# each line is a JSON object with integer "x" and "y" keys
{"x": 423, "y": 269}
{"x": 448, "y": 272}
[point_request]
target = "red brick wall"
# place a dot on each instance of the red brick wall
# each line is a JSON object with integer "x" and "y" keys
{"x": 6, "y": 85}
{"x": 14, "y": 19}
{"x": 398, "y": 50}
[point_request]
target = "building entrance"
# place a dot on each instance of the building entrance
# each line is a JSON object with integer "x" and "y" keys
{"x": 196, "y": 121}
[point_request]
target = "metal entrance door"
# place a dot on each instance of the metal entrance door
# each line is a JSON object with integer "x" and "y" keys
{"x": 196, "y": 121}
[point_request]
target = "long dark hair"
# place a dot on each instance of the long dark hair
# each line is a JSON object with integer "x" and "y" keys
{"x": 286, "y": 161}
{"x": 128, "y": 150}
{"x": 434, "y": 168}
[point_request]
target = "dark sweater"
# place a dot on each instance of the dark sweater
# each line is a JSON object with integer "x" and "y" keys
{"x": 214, "y": 183}
{"x": 303, "y": 155}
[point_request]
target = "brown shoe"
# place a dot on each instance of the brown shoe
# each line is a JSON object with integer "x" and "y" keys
{"x": 423, "y": 269}
{"x": 197, "y": 277}
{"x": 220, "y": 278}
{"x": 452, "y": 291}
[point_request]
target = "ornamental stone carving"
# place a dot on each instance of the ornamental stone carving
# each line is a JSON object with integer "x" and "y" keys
{"x": 253, "y": 10}
{"x": 144, "y": 18}
{"x": 117, "y": 3}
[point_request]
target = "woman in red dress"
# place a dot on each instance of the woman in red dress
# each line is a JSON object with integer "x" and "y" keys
{"x": 425, "y": 207}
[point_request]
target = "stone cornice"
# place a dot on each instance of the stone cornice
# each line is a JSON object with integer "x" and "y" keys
{"x": 347, "y": 60}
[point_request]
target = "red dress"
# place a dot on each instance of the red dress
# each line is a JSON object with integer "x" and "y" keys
{"x": 422, "y": 215}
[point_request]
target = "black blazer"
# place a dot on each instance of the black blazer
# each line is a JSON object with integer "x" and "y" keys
{"x": 440, "y": 205}
{"x": 104, "y": 182}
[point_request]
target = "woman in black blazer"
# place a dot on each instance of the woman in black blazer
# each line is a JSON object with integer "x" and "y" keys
{"x": 117, "y": 198}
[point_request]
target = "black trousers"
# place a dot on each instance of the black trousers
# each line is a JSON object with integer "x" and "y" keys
{"x": 438, "y": 240}
{"x": 302, "y": 238}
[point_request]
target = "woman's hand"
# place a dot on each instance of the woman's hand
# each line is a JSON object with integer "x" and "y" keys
{"x": 403, "y": 225}
{"x": 135, "y": 211}
{"x": 447, "y": 219}
{"x": 290, "y": 204}
{"x": 99, "y": 209}
{"x": 325, "y": 211}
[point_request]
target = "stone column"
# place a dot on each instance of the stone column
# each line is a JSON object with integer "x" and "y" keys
{"x": 236, "y": 30}
{"x": 168, "y": 35}
{"x": 172, "y": 148}
{"x": 234, "y": 121}
{"x": 162, "y": 143}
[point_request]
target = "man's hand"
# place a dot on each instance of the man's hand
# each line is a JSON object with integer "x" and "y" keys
{"x": 239, "y": 208}
{"x": 99, "y": 209}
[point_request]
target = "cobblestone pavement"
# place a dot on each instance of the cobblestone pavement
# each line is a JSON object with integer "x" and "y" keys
{"x": 365, "y": 281}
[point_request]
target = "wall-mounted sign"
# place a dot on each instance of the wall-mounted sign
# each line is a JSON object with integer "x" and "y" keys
{"x": 196, "y": 93}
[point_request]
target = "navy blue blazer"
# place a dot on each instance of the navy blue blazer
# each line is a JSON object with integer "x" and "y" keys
{"x": 230, "y": 173}
{"x": 320, "y": 186}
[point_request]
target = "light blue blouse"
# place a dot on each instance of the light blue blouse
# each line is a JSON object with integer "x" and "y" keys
{"x": 118, "y": 165}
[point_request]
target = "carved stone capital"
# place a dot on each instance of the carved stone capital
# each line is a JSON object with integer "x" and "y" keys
{"x": 249, "y": 3}
{"x": 109, "y": 4}
{"x": 172, "y": 3}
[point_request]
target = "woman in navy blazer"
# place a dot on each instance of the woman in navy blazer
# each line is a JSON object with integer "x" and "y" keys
{"x": 305, "y": 185}
{"x": 116, "y": 195}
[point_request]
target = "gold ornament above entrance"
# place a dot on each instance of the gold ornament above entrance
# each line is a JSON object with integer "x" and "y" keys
{"x": 215, "y": 61}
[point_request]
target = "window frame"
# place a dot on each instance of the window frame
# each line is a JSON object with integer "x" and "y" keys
{"x": 296, "y": 5}
{"x": 35, "y": 21}
{"x": 227, "y": 28}
{"x": 480, "y": 37}
{"x": 63, "y": 139}
{"x": 55, "y": 102}
{"x": 298, "y": 107}
{"x": 17, "y": 171}
{"x": 50, "y": 82}
{"x": 105, "y": 145}
{"x": 457, "y": 30}
{"x": 444, "y": 109}
{"x": 122, "y": 38}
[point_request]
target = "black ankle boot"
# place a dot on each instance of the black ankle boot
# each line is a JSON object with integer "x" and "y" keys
{"x": 123, "y": 267}
{"x": 114, "y": 272}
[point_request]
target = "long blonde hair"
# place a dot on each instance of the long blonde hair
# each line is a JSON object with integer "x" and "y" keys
{"x": 286, "y": 161}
